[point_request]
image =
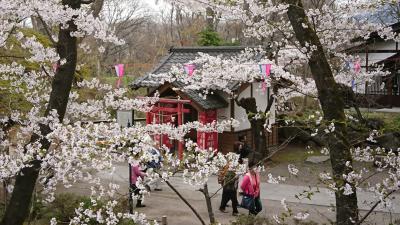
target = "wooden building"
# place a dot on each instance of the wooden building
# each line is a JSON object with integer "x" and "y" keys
{"x": 177, "y": 106}
{"x": 373, "y": 52}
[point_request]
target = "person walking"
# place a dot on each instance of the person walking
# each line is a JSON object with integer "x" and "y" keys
{"x": 229, "y": 183}
{"x": 155, "y": 165}
{"x": 135, "y": 173}
{"x": 251, "y": 190}
{"x": 241, "y": 148}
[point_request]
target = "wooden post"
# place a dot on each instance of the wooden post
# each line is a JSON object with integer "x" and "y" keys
{"x": 130, "y": 200}
{"x": 164, "y": 220}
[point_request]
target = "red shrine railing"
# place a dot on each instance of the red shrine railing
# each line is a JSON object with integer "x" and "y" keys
{"x": 165, "y": 111}
{"x": 172, "y": 111}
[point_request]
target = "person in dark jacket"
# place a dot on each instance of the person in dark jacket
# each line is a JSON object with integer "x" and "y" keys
{"x": 229, "y": 190}
{"x": 245, "y": 148}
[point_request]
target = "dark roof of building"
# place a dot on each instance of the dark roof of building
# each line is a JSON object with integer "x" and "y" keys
{"x": 359, "y": 43}
{"x": 183, "y": 55}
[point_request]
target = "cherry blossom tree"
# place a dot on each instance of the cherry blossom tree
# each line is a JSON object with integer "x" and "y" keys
{"x": 63, "y": 141}
{"x": 316, "y": 36}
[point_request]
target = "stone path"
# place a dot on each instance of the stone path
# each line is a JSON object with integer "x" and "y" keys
{"x": 275, "y": 192}
{"x": 389, "y": 110}
{"x": 166, "y": 202}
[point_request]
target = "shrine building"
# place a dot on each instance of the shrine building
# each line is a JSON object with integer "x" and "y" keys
{"x": 181, "y": 106}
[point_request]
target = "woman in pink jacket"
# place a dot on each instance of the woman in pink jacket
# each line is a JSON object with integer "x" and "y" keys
{"x": 251, "y": 188}
{"x": 135, "y": 173}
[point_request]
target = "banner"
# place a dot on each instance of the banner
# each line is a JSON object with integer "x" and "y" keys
{"x": 265, "y": 70}
{"x": 119, "y": 70}
{"x": 357, "y": 66}
{"x": 189, "y": 68}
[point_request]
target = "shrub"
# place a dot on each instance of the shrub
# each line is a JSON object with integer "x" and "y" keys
{"x": 63, "y": 207}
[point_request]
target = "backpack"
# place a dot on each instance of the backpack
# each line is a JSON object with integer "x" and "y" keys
{"x": 221, "y": 174}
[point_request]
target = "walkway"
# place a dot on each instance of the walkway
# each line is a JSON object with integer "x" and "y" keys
{"x": 274, "y": 192}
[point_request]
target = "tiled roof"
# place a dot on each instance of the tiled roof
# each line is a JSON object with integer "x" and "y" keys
{"x": 183, "y": 55}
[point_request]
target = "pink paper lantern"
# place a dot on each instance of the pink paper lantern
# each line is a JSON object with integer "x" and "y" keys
{"x": 189, "y": 68}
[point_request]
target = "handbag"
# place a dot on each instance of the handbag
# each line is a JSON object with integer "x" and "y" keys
{"x": 247, "y": 202}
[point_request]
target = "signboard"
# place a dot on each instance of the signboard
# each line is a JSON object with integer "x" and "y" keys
{"x": 125, "y": 118}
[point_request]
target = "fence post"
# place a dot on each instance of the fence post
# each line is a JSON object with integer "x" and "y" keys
{"x": 164, "y": 220}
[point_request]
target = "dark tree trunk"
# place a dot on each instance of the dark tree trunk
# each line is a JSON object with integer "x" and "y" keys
{"x": 210, "y": 16}
{"x": 96, "y": 7}
{"x": 18, "y": 206}
{"x": 332, "y": 103}
{"x": 257, "y": 127}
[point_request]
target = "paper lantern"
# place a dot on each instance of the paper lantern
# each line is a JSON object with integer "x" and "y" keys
{"x": 265, "y": 69}
{"x": 357, "y": 66}
{"x": 189, "y": 68}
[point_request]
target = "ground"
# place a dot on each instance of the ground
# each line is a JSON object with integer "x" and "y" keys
{"x": 167, "y": 203}
{"x": 308, "y": 172}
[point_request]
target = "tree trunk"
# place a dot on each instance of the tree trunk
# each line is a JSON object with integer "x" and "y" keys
{"x": 210, "y": 15}
{"x": 257, "y": 127}
{"x": 96, "y": 7}
{"x": 332, "y": 104}
{"x": 18, "y": 206}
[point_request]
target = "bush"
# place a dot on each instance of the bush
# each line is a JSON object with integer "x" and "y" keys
{"x": 209, "y": 37}
{"x": 63, "y": 207}
{"x": 252, "y": 220}
{"x": 256, "y": 220}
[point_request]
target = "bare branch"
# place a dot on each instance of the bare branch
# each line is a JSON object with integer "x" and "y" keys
{"x": 46, "y": 28}
{"x": 374, "y": 206}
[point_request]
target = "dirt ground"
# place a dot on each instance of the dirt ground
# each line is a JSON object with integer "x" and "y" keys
{"x": 309, "y": 172}
{"x": 167, "y": 203}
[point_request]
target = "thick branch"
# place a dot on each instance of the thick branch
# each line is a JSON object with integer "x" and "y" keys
{"x": 270, "y": 102}
{"x": 373, "y": 207}
{"x": 46, "y": 28}
{"x": 185, "y": 201}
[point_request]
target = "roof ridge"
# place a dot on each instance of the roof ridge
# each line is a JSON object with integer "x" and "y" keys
{"x": 208, "y": 48}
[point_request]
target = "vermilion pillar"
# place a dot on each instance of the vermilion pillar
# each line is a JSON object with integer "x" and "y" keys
{"x": 180, "y": 122}
{"x": 207, "y": 140}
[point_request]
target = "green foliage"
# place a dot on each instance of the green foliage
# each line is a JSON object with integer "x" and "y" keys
{"x": 209, "y": 37}
{"x": 391, "y": 120}
{"x": 11, "y": 101}
{"x": 43, "y": 39}
{"x": 84, "y": 72}
{"x": 252, "y": 220}
{"x": 63, "y": 209}
{"x": 293, "y": 155}
{"x": 15, "y": 53}
{"x": 393, "y": 125}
